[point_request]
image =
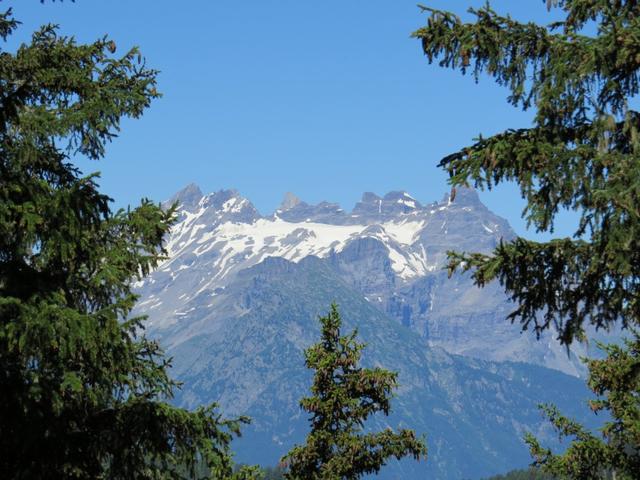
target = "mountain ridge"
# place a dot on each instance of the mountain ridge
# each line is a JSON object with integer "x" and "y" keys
{"x": 392, "y": 248}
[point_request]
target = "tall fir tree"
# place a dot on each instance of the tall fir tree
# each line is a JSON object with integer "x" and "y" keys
{"x": 344, "y": 396}
{"x": 581, "y": 153}
{"x": 83, "y": 393}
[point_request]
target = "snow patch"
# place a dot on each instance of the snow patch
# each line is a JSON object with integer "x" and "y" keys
{"x": 405, "y": 232}
{"x": 408, "y": 203}
{"x": 234, "y": 205}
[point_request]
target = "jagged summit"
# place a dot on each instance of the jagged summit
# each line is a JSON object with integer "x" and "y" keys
{"x": 224, "y": 231}
{"x": 292, "y": 209}
{"x": 393, "y": 203}
{"x": 187, "y": 198}
{"x": 289, "y": 201}
{"x": 403, "y": 201}
{"x": 464, "y": 196}
{"x": 206, "y": 212}
{"x": 222, "y": 199}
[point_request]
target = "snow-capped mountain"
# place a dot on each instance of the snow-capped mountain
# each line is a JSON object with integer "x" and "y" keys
{"x": 392, "y": 249}
{"x": 236, "y": 303}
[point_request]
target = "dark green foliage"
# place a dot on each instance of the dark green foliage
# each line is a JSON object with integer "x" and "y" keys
{"x": 83, "y": 394}
{"x": 344, "y": 395}
{"x": 582, "y": 153}
{"x": 616, "y": 382}
{"x": 529, "y": 474}
{"x": 270, "y": 473}
{"x": 275, "y": 473}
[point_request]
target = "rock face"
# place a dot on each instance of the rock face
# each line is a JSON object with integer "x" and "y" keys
{"x": 237, "y": 302}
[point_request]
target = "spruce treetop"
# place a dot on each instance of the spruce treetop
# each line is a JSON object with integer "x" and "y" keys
{"x": 344, "y": 396}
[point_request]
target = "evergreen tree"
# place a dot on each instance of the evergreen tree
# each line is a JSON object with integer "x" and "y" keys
{"x": 83, "y": 393}
{"x": 344, "y": 395}
{"x": 616, "y": 381}
{"x": 581, "y": 153}
{"x": 529, "y": 474}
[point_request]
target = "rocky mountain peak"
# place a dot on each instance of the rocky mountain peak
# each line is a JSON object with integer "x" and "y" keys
{"x": 221, "y": 199}
{"x": 464, "y": 196}
{"x": 213, "y": 208}
{"x": 187, "y": 198}
{"x": 393, "y": 203}
{"x": 230, "y": 205}
{"x": 289, "y": 201}
{"x": 370, "y": 197}
{"x": 370, "y": 204}
{"x": 402, "y": 200}
{"x": 323, "y": 212}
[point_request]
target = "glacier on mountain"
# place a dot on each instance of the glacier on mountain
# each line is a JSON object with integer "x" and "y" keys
{"x": 391, "y": 248}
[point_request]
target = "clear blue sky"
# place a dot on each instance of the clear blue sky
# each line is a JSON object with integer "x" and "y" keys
{"x": 327, "y": 99}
